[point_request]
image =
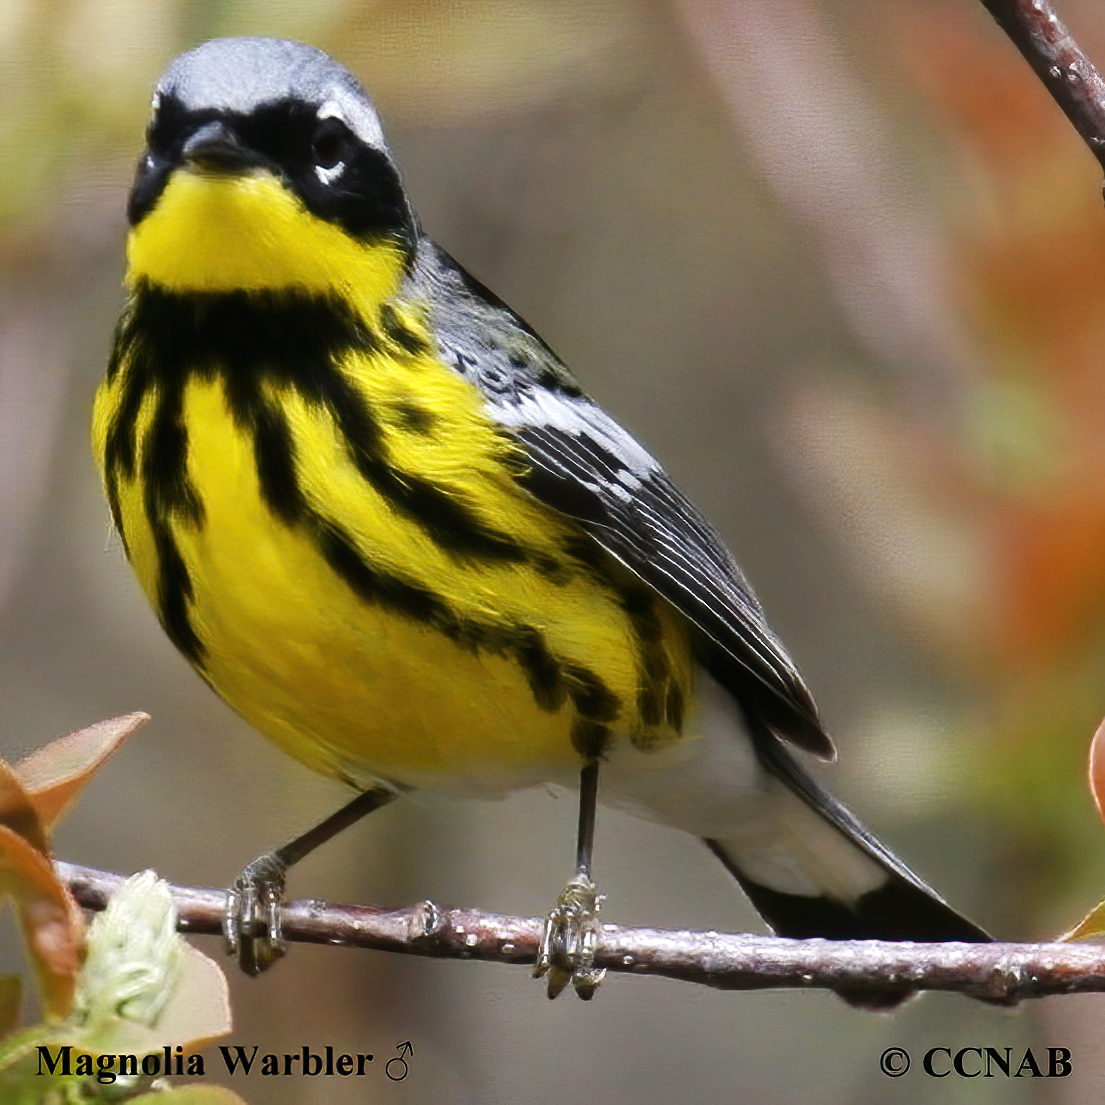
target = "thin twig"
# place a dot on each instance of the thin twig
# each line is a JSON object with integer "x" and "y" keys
{"x": 1000, "y": 973}
{"x": 1047, "y": 45}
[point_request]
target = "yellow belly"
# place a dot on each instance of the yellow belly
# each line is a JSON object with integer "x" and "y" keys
{"x": 347, "y": 686}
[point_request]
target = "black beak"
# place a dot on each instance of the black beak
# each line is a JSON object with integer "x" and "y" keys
{"x": 215, "y": 148}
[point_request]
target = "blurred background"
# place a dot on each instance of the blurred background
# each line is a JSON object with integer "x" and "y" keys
{"x": 841, "y": 265}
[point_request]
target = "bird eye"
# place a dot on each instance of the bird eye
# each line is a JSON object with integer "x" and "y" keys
{"x": 331, "y": 144}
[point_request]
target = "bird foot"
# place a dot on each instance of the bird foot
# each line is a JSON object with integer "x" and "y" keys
{"x": 570, "y": 940}
{"x": 251, "y": 919}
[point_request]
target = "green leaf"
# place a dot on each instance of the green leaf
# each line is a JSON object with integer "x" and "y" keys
{"x": 1091, "y": 927}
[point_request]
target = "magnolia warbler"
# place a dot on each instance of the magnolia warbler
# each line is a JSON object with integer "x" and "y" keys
{"x": 387, "y": 526}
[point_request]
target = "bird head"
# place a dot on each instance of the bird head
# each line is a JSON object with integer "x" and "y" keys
{"x": 265, "y": 168}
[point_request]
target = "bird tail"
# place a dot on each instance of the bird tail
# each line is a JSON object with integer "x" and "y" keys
{"x": 899, "y": 908}
{"x": 824, "y": 874}
{"x": 821, "y": 873}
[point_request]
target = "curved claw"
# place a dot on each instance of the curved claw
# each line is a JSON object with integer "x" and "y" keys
{"x": 570, "y": 940}
{"x": 251, "y": 919}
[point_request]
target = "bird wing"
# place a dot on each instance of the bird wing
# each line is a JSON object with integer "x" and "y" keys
{"x": 585, "y": 465}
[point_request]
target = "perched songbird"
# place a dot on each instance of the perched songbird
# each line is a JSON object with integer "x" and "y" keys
{"x": 384, "y": 522}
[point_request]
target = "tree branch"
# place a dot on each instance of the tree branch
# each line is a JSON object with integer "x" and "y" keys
{"x": 1001, "y": 973}
{"x": 1074, "y": 84}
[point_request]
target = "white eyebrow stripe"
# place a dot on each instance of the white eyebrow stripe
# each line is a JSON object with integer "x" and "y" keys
{"x": 358, "y": 116}
{"x": 331, "y": 110}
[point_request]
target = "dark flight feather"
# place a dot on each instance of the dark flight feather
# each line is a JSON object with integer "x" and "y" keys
{"x": 584, "y": 464}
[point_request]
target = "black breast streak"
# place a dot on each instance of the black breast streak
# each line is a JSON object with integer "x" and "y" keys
{"x": 442, "y": 512}
{"x": 596, "y": 707}
{"x": 401, "y": 335}
{"x": 174, "y": 585}
{"x": 111, "y": 489}
{"x": 415, "y": 419}
{"x": 246, "y": 341}
{"x": 119, "y": 450}
{"x": 544, "y": 671}
{"x": 274, "y": 455}
{"x": 293, "y": 341}
{"x": 654, "y": 670}
{"x": 552, "y": 679}
{"x": 168, "y": 494}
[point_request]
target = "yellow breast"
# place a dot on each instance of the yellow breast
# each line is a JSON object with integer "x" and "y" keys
{"x": 437, "y": 669}
{"x": 334, "y": 533}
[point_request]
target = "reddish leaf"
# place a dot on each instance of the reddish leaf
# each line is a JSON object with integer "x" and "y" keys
{"x": 17, "y": 811}
{"x": 54, "y": 775}
{"x": 50, "y": 919}
{"x": 1097, "y": 769}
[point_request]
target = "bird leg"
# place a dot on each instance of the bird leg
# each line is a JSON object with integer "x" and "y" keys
{"x": 570, "y": 937}
{"x": 251, "y": 918}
